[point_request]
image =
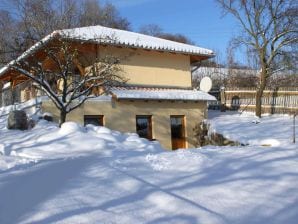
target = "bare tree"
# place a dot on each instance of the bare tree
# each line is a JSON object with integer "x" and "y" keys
{"x": 269, "y": 32}
{"x": 238, "y": 75}
{"x": 157, "y": 31}
{"x": 64, "y": 80}
{"x": 151, "y": 29}
{"x": 28, "y": 21}
{"x": 93, "y": 13}
{"x": 283, "y": 80}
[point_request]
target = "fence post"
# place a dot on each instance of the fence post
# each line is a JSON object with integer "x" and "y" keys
{"x": 1, "y": 90}
{"x": 222, "y": 99}
{"x": 294, "y": 128}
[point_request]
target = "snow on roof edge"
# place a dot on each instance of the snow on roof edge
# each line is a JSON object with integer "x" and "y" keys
{"x": 132, "y": 39}
{"x": 180, "y": 47}
{"x": 185, "y": 95}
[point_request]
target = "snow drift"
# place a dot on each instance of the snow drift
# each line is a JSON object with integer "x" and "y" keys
{"x": 95, "y": 175}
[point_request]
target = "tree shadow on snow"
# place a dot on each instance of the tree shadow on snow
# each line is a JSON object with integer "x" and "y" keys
{"x": 145, "y": 189}
{"x": 235, "y": 173}
{"x": 225, "y": 173}
{"x": 21, "y": 192}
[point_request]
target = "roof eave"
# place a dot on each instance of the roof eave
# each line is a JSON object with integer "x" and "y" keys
{"x": 195, "y": 56}
{"x": 162, "y": 99}
{"x": 117, "y": 44}
{"x": 29, "y": 51}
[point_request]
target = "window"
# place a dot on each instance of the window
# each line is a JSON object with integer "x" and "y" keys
{"x": 178, "y": 131}
{"x": 97, "y": 120}
{"x": 76, "y": 76}
{"x": 144, "y": 126}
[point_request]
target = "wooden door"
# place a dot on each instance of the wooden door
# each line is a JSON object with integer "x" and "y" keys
{"x": 178, "y": 131}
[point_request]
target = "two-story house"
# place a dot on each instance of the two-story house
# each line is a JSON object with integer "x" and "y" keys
{"x": 158, "y": 101}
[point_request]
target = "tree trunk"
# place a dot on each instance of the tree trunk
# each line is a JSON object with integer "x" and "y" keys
{"x": 62, "y": 117}
{"x": 258, "y": 111}
{"x": 259, "y": 94}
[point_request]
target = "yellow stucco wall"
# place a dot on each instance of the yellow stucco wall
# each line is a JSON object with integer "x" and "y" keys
{"x": 121, "y": 115}
{"x": 149, "y": 68}
{"x": 143, "y": 67}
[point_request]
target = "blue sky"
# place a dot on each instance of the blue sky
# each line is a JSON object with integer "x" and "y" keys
{"x": 200, "y": 20}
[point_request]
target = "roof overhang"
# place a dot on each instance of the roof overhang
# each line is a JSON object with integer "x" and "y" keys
{"x": 160, "y": 94}
{"x": 114, "y": 37}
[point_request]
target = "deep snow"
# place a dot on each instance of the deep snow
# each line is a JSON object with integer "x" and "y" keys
{"x": 95, "y": 175}
{"x": 270, "y": 130}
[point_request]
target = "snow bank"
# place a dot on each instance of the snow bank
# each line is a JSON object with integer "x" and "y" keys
{"x": 95, "y": 175}
{"x": 71, "y": 128}
{"x": 270, "y": 130}
{"x": 47, "y": 141}
{"x": 218, "y": 185}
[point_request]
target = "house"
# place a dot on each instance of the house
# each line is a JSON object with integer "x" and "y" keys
{"x": 157, "y": 102}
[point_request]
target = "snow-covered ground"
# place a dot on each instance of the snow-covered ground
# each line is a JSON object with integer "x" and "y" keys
{"x": 95, "y": 175}
{"x": 270, "y": 130}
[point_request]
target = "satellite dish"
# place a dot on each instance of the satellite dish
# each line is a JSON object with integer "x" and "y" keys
{"x": 206, "y": 84}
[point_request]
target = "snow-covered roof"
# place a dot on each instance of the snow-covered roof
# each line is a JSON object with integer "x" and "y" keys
{"x": 110, "y": 36}
{"x": 161, "y": 94}
{"x": 127, "y": 38}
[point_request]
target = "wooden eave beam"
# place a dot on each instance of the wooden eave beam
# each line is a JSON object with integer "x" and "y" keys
{"x": 196, "y": 58}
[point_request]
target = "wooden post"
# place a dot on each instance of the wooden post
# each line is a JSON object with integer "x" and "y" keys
{"x": 11, "y": 93}
{"x": 222, "y": 99}
{"x": 1, "y": 90}
{"x": 294, "y": 128}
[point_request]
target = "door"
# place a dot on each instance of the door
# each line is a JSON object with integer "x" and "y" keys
{"x": 178, "y": 131}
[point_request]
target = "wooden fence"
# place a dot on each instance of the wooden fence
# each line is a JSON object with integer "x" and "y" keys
{"x": 279, "y": 100}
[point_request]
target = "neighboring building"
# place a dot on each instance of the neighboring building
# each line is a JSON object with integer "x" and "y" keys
{"x": 226, "y": 77}
{"x": 158, "y": 101}
{"x": 222, "y": 72}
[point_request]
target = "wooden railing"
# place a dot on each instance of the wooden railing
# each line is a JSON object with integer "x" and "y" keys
{"x": 19, "y": 94}
{"x": 31, "y": 107}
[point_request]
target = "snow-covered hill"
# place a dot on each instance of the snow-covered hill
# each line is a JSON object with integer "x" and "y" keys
{"x": 94, "y": 175}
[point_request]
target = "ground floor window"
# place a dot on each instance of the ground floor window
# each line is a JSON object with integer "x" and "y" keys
{"x": 97, "y": 120}
{"x": 144, "y": 126}
{"x": 178, "y": 131}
